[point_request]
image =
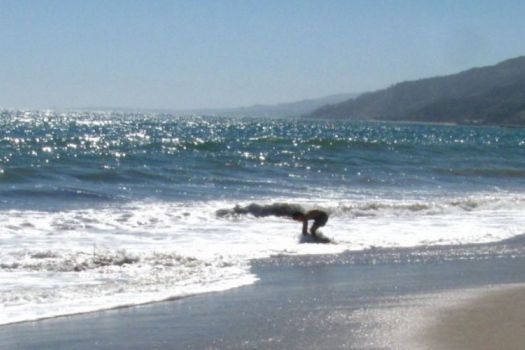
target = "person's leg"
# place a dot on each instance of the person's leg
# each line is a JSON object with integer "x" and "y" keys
{"x": 321, "y": 221}
{"x": 314, "y": 228}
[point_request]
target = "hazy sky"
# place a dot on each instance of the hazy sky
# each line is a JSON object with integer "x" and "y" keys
{"x": 196, "y": 53}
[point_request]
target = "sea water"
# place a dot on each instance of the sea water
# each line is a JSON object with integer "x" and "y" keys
{"x": 100, "y": 210}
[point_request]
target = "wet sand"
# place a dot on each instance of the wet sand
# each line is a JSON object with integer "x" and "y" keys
{"x": 369, "y": 300}
{"x": 494, "y": 319}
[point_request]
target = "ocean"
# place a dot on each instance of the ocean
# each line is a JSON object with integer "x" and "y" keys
{"x": 103, "y": 209}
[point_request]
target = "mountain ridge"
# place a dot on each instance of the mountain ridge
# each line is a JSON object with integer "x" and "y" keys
{"x": 481, "y": 95}
{"x": 285, "y": 109}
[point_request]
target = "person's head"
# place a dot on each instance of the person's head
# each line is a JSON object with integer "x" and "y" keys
{"x": 298, "y": 216}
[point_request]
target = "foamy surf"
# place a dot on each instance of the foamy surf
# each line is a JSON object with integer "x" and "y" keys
{"x": 65, "y": 262}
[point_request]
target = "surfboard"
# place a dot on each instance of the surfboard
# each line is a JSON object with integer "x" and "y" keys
{"x": 318, "y": 238}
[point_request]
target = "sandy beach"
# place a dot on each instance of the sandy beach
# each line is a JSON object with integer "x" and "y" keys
{"x": 494, "y": 319}
{"x": 379, "y": 299}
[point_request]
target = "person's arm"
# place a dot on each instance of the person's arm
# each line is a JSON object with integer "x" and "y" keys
{"x": 305, "y": 226}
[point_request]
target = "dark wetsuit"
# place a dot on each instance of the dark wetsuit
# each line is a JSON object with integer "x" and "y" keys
{"x": 318, "y": 216}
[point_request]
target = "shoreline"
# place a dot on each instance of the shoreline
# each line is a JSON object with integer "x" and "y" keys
{"x": 419, "y": 254}
{"x": 356, "y": 300}
{"x": 218, "y": 289}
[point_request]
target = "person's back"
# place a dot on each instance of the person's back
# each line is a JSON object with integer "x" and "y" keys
{"x": 319, "y": 217}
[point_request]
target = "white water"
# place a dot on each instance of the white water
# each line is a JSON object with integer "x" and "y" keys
{"x": 58, "y": 263}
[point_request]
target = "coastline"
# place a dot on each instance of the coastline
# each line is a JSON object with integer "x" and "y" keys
{"x": 356, "y": 300}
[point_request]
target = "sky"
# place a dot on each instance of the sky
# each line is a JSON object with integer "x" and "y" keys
{"x": 220, "y": 53}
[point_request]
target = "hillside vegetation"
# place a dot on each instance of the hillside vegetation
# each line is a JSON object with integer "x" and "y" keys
{"x": 486, "y": 95}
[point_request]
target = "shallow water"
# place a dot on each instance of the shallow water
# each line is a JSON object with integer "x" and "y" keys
{"x": 99, "y": 210}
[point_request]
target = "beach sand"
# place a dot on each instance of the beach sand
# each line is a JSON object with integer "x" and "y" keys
{"x": 493, "y": 319}
{"x": 439, "y": 298}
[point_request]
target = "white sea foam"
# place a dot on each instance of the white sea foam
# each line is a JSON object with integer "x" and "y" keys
{"x": 57, "y": 263}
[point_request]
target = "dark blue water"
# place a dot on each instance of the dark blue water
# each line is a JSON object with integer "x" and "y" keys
{"x": 78, "y": 159}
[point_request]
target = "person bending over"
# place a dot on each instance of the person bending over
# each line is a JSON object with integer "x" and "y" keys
{"x": 318, "y": 216}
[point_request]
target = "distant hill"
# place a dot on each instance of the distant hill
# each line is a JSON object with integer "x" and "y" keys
{"x": 291, "y": 109}
{"x": 486, "y": 95}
